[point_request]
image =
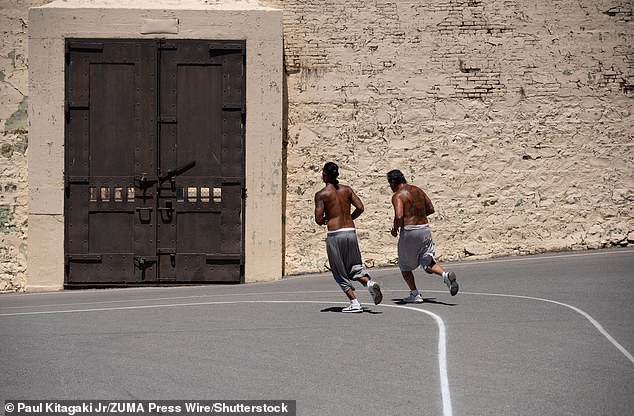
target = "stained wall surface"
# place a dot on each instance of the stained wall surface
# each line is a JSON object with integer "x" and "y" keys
{"x": 259, "y": 26}
{"x": 516, "y": 117}
{"x": 14, "y": 141}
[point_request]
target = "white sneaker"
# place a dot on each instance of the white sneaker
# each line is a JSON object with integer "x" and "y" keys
{"x": 413, "y": 299}
{"x": 352, "y": 309}
{"x": 375, "y": 291}
{"x": 451, "y": 283}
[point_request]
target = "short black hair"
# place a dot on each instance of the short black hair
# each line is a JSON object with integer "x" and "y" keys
{"x": 332, "y": 169}
{"x": 396, "y": 176}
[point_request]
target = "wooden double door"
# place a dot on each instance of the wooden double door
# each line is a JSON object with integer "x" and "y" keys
{"x": 154, "y": 162}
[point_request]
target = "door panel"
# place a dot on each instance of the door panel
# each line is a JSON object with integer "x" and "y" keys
{"x": 198, "y": 128}
{"x": 196, "y": 142}
{"x": 112, "y": 132}
{"x": 105, "y": 128}
{"x": 154, "y": 162}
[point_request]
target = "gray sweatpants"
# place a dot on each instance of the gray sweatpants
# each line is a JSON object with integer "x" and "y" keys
{"x": 344, "y": 257}
{"x": 415, "y": 248}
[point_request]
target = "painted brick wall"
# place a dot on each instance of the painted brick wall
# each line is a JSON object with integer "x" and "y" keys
{"x": 516, "y": 117}
{"x": 13, "y": 142}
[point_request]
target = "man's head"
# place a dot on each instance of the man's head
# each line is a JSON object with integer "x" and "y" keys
{"x": 395, "y": 178}
{"x": 330, "y": 173}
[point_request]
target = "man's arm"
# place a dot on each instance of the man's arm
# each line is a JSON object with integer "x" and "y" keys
{"x": 429, "y": 207}
{"x": 320, "y": 214}
{"x": 398, "y": 214}
{"x": 357, "y": 204}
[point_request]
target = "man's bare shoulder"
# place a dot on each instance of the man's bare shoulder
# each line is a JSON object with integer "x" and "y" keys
{"x": 414, "y": 188}
{"x": 321, "y": 194}
{"x": 404, "y": 192}
{"x": 416, "y": 191}
{"x": 326, "y": 189}
{"x": 328, "y": 192}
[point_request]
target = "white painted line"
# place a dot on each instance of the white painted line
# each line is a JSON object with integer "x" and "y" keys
{"x": 442, "y": 338}
{"x": 468, "y": 262}
{"x": 574, "y": 308}
{"x": 442, "y": 357}
{"x": 540, "y": 257}
{"x": 222, "y": 295}
{"x": 593, "y": 321}
{"x": 125, "y": 308}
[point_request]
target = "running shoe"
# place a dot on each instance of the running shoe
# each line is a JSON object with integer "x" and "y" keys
{"x": 352, "y": 309}
{"x": 413, "y": 299}
{"x": 451, "y": 283}
{"x": 375, "y": 291}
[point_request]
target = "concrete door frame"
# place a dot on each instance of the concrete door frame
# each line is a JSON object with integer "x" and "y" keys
{"x": 260, "y": 27}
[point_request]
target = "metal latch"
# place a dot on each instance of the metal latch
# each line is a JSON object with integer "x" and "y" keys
{"x": 143, "y": 262}
{"x": 145, "y": 181}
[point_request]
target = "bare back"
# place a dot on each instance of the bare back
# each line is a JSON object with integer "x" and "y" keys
{"x": 415, "y": 205}
{"x": 332, "y": 206}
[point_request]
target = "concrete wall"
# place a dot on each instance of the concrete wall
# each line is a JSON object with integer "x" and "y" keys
{"x": 516, "y": 117}
{"x": 261, "y": 27}
{"x": 14, "y": 142}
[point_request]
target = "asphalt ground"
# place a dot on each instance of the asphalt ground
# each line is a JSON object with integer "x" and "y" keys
{"x": 535, "y": 335}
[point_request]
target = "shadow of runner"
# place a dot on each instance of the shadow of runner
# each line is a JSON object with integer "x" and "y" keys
{"x": 426, "y": 300}
{"x": 340, "y": 309}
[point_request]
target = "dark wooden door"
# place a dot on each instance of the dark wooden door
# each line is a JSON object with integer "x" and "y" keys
{"x": 154, "y": 162}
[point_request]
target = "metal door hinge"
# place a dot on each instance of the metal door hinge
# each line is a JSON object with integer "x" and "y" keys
{"x": 83, "y": 258}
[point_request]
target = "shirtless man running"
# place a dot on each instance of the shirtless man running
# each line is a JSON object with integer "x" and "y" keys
{"x": 415, "y": 245}
{"x": 332, "y": 208}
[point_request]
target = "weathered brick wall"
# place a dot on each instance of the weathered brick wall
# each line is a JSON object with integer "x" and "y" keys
{"x": 13, "y": 142}
{"x": 516, "y": 117}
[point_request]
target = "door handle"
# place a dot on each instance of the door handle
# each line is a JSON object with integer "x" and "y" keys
{"x": 143, "y": 219}
{"x": 167, "y": 208}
